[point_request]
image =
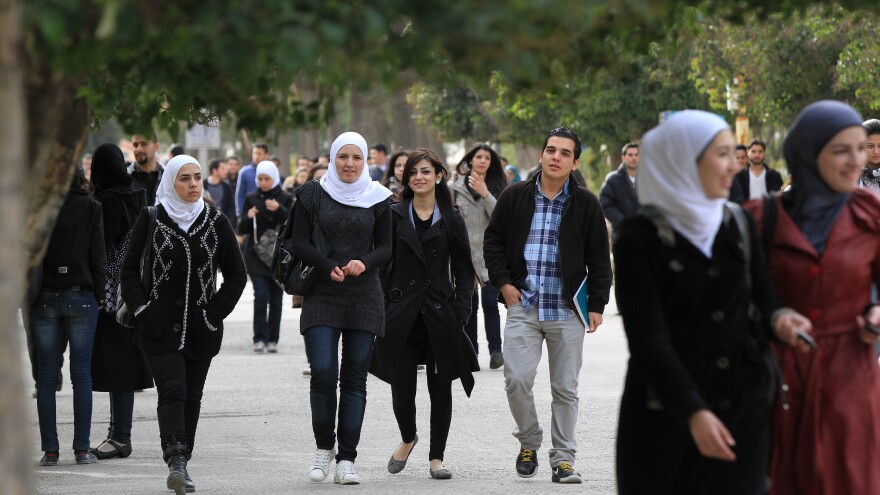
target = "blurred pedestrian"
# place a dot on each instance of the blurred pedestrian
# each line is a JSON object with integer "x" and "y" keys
{"x": 393, "y": 178}
{"x": 698, "y": 310}
{"x": 480, "y": 182}
{"x": 118, "y": 366}
{"x": 618, "y": 193}
{"x": 71, "y": 293}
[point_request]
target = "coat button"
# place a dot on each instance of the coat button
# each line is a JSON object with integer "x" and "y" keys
{"x": 424, "y": 310}
{"x": 714, "y": 272}
{"x": 434, "y": 252}
{"x": 437, "y": 306}
{"x": 412, "y": 282}
{"x": 718, "y": 316}
{"x": 176, "y": 327}
{"x": 723, "y": 362}
{"x": 724, "y": 405}
{"x": 427, "y": 283}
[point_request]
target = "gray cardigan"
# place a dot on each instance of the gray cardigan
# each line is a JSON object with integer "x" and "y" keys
{"x": 476, "y": 214}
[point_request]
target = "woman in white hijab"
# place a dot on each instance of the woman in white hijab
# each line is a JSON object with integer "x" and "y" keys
{"x": 265, "y": 208}
{"x": 180, "y": 318}
{"x": 694, "y": 417}
{"x": 346, "y": 299}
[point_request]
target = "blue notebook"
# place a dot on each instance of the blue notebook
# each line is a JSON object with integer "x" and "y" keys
{"x": 580, "y": 303}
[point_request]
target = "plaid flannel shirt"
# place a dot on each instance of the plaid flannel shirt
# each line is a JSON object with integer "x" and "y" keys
{"x": 544, "y": 279}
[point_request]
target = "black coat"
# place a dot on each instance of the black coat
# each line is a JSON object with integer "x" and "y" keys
{"x": 692, "y": 346}
{"x": 417, "y": 283}
{"x": 186, "y": 310}
{"x": 265, "y": 220}
{"x": 618, "y": 198}
{"x": 772, "y": 179}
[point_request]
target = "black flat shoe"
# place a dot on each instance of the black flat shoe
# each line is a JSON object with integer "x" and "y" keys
{"x": 119, "y": 450}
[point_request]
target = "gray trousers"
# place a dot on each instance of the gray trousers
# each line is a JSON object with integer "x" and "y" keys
{"x": 524, "y": 336}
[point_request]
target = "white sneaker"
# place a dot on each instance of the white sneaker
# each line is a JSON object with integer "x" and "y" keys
{"x": 272, "y": 347}
{"x": 259, "y": 347}
{"x": 321, "y": 465}
{"x": 307, "y": 371}
{"x": 345, "y": 474}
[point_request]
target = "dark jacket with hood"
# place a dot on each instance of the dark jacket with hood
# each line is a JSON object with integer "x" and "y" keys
{"x": 417, "y": 284}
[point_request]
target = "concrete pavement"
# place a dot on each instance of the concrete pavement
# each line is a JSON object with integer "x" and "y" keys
{"x": 255, "y": 431}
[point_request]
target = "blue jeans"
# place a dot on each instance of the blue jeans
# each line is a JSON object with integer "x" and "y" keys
{"x": 56, "y": 312}
{"x": 322, "y": 344}
{"x": 121, "y": 411}
{"x": 266, "y": 293}
{"x": 492, "y": 320}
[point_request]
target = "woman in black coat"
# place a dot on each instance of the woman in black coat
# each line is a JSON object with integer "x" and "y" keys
{"x": 698, "y": 310}
{"x": 425, "y": 313}
{"x": 118, "y": 366}
{"x": 180, "y": 319}
{"x": 266, "y": 208}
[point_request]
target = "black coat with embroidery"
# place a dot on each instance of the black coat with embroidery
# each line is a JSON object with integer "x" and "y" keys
{"x": 185, "y": 310}
{"x": 417, "y": 283}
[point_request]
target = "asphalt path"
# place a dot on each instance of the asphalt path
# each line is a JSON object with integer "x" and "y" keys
{"x": 255, "y": 431}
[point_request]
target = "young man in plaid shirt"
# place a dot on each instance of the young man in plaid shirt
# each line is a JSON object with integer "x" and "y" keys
{"x": 544, "y": 236}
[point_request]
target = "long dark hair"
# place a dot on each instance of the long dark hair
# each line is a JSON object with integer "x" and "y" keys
{"x": 389, "y": 170}
{"x": 496, "y": 179}
{"x": 79, "y": 181}
{"x": 441, "y": 194}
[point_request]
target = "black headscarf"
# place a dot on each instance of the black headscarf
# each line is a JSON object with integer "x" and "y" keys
{"x": 110, "y": 178}
{"x": 812, "y": 204}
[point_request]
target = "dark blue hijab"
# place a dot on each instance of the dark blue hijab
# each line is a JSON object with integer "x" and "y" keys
{"x": 812, "y": 204}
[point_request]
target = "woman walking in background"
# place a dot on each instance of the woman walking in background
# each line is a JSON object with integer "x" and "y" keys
{"x": 393, "y": 178}
{"x": 118, "y": 366}
{"x": 824, "y": 240}
{"x": 264, "y": 209}
{"x": 480, "y": 182}
{"x": 346, "y": 298}
{"x": 424, "y": 321}
{"x": 180, "y": 319}
{"x": 71, "y": 293}
{"x": 698, "y": 310}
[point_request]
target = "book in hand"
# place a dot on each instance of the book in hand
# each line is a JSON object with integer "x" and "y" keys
{"x": 580, "y": 303}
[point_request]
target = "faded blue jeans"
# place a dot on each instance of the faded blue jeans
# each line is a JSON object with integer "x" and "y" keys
{"x": 74, "y": 312}
{"x": 322, "y": 344}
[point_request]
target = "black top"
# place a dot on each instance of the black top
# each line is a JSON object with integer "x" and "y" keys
{"x": 148, "y": 181}
{"x": 422, "y": 226}
{"x": 76, "y": 253}
{"x": 618, "y": 198}
{"x": 265, "y": 220}
{"x": 186, "y": 310}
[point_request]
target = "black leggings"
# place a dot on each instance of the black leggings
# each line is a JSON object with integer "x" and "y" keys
{"x": 403, "y": 392}
{"x": 180, "y": 382}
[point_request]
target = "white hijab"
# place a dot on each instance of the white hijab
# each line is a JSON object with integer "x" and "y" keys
{"x": 668, "y": 177}
{"x": 362, "y": 193}
{"x": 267, "y": 167}
{"x": 182, "y": 212}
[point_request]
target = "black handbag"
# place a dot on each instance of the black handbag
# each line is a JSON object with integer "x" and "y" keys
{"x": 124, "y": 315}
{"x": 291, "y": 273}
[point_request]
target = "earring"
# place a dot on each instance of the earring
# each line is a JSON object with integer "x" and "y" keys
{"x": 437, "y": 182}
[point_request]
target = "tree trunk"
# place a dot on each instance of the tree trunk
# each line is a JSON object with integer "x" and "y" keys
{"x": 16, "y": 458}
{"x": 368, "y": 116}
{"x": 403, "y": 127}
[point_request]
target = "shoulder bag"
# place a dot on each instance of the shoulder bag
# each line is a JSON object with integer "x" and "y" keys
{"x": 291, "y": 273}
{"x": 124, "y": 315}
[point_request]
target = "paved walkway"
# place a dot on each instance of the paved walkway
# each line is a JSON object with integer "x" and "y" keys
{"x": 255, "y": 432}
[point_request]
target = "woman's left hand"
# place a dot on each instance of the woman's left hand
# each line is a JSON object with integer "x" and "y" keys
{"x": 478, "y": 184}
{"x": 272, "y": 205}
{"x": 873, "y": 317}
{"x": 354, "y": 268}
{"x": 786, "y": 327}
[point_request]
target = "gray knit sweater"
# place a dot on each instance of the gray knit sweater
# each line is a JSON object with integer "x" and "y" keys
{"x": 355, "y": 233}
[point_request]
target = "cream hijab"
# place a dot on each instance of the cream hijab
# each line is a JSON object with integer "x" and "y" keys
{"x": 267, "y": 167}
{"x": 668, "y": 177}
{"x": 182, "y": 212}
{"x": 362, "y": 193}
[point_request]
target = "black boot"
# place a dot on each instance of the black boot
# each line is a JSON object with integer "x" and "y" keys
{"x": 175, "y": 456}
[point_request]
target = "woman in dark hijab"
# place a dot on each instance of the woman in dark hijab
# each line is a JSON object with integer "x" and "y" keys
{"x": 824, "y": 241}
{"x": 118, "y": 366}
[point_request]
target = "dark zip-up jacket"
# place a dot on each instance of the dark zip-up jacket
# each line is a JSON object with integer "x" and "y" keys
{"x": 583, "y": 242}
